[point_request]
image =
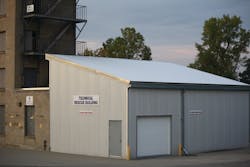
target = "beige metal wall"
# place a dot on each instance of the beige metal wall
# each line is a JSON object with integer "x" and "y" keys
{"x": 72, "y": 132}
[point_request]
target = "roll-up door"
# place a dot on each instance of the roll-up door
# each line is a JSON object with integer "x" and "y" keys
{"x": 153, "y": 136}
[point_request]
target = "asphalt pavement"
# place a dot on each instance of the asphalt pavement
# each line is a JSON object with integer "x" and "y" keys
{"x": 28, "y": 158}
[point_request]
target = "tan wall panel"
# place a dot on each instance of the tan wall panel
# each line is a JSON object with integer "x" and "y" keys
{"x": 72, "y": 132}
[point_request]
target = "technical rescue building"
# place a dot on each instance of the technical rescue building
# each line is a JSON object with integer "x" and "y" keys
{"x": 129, "y": 109}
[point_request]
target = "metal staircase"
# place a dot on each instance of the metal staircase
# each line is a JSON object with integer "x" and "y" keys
{"x": 43, "y": 12}
{"x": 50, "y": 26}
{"x": 53, "y": 7}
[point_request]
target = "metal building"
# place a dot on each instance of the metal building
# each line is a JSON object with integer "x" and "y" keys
{"x": 130, "y": 109}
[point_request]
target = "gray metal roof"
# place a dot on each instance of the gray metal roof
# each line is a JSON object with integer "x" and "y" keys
{"x": 138, "y": 71}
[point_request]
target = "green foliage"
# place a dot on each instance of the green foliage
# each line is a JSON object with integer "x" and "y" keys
{"x": 130, "y": 45}
{"x": 223, "y": 42}
{"x": 245, "y": 75}
{"x": 88, "y": 52}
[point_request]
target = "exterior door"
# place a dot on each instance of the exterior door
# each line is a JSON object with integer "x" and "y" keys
{"x": 153, "y": 136}
{"x": 115, "y": 138}
{"x": 29, "y": 121}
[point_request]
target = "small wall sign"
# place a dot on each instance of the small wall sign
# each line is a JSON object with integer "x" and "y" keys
{"x": 86, "y": 100}
{"x": 30, "y": 8}
{"x": 29, "y": 101}
{"x": 86, "y": 112}
{"x": 195, "y": 112}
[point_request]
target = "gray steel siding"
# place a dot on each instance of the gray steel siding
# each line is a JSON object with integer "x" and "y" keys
{"x": 154, "y": 102}
{"x": 222, "y": 122}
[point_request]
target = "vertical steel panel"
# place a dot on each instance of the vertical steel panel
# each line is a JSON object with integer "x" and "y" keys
{"x": 154, "y": 102}
{"x": 216, "y": 120}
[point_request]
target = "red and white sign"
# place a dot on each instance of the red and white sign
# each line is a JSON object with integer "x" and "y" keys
{"x": 86, "y": 112}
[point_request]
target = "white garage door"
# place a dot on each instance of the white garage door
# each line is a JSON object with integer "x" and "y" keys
{"x": 153, "y": 136}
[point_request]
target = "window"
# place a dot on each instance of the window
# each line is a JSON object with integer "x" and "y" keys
{"x": 2, "y": 78}
{"x": 2, "y": 7}
{"x": 30, "y": 40}
{"x": 30, "y": 77}
{"x": 2, "y": 41}
{"x": 29, "y": 121}
{"x": 2, "y": 120}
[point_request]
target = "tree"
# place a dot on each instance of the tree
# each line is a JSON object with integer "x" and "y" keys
{"x": 88, "y": 52}
{"x": 130, "y": 45}
{"x": 223, "y": 42}
{"x": 245, "y": 75}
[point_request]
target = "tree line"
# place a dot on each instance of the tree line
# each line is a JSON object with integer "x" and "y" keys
{"x": 130, "y": 45}
{"x": 223, "y": 48}
{"x": 222, "y": 51}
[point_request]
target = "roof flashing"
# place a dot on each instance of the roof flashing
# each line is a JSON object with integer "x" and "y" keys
{"x": 188, "y": 86}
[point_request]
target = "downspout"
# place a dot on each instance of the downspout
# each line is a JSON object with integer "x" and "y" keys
{"x": 128, "y": 150}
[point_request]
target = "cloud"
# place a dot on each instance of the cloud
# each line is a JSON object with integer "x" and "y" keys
{"x": 179, "y": 54}
{"x": 170, "y": 27}
{"x": 91, "y": 44}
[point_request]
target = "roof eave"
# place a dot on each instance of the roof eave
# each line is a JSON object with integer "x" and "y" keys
{"x": 188, "y": 86}
{"x": 53, "y": 57}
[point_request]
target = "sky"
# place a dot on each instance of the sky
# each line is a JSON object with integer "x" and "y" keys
{"x": 170, "y": 27}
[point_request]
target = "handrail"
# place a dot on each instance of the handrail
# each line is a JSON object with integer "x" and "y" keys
{"x": 81, "y": 12}
{"x": 80, "y": 47}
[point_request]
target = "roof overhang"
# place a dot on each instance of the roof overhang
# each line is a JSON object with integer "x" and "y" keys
{"x": 188, "y": 86}
{"x": 51, "y": 57}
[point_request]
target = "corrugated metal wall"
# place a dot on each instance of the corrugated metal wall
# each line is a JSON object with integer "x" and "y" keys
{"x": 154, "y": 102}
{"x": 216, "y": 120}
{"x": 72, "y": 132}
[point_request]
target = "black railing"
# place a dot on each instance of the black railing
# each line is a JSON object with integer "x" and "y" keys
{"x": 80, "y": 47}
{"x": 46, "y": 8}
{"x": 81, "y": 12}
